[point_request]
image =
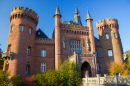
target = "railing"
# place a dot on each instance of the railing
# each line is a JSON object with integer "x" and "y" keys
{"x": 7, "y": 55}
{"x": 117, "y": 79}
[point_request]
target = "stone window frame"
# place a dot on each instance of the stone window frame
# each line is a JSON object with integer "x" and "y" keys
{"x": 29, "y": 50}
{"x": 110, "y": 53}
{"x": 43, "y": 67}
{"x": 107, "y": 36}
{"x": 21, "y": 30}
{"x": 115, "y": 35}
{"x": 43, "y": 53}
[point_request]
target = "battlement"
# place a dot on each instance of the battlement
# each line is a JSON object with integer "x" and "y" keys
{"x": 74, "y": 26}
{"x": 106, "y": 22}
{"x": 21, "y": 12}
{"x": 44, "y": 41}
{"x": 26, "y": 9}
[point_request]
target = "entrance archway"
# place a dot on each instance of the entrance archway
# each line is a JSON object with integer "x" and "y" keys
{"x": 86, "y": 69}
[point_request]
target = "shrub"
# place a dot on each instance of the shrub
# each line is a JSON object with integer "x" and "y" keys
{"x": 16, "y": 80}
{"x": 29, "y": 81}
{"x": 114, "y": 67}
{"x": 4, "y": 80}
{"x": 67, "y": 75}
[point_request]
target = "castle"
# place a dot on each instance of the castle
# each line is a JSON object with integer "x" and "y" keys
{"x": 30, "y": 52}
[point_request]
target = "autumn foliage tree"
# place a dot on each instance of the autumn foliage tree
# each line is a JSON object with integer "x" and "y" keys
{"x": 114, "y": 67}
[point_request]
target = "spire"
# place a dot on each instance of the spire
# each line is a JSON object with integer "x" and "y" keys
{"x": 57, "y": 12}
{"x": 76, "y": 10}
{"x": 88, "y": 15}
{"x": 77, "y": 17}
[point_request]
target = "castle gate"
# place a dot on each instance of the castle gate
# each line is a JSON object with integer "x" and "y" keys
{"x": 86, "y": 69}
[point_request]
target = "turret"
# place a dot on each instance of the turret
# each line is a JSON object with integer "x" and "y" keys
{"x": 21, "y": 41}
{"x": 57, "y": 17}
{"x": 91, "y": 35}
{"x": 110, "y": 38}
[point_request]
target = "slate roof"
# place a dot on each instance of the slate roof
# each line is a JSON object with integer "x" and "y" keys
{"x": 41, "y": 35}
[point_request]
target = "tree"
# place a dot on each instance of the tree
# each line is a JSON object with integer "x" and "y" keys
{"x": 1, "y": 59}
{"x": 128, "y": 59}
{"x": 4, "y": 80}
{"x": 114, "y": 67}
{"x": 67, "y": 75}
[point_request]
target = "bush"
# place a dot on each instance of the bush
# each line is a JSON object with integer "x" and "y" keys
{"x": 4, "y": 80}
{"x": 67, "y": 75}
{"x": 16, "y": 80}
{"x": 114, "y": 67}
{"x": 29, "y": 81}
{"x": 50, "y": 78}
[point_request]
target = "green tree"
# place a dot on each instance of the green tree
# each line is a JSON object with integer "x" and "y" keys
{"x": 128, "y": 59}
{"x": 4, "y": 80}
{"x": 1, "y": 59}
{"x": 67, "y": 75}
{"x": 16, "y": 81}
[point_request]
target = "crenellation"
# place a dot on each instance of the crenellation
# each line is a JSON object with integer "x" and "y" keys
{"x": 22, "y": 10}
{"x": 74, "y": 26}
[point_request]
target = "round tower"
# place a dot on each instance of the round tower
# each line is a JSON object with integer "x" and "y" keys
{"x": 57, "y": 17}
{"x": 110, "y": 39}
{"x": 21, "y": 41}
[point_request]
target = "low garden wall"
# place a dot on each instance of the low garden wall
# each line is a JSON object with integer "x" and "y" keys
{"x": 115, "y": 80}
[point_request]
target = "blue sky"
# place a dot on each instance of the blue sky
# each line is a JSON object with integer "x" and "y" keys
{"x": 99, "y": 9}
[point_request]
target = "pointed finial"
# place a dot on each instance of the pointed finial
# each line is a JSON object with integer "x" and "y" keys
{"x": 88, "y": 15}
{"x": 76, "y": 9}
{"x": 57, "y": 12}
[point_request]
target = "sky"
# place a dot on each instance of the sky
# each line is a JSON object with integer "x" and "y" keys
{"x": 99, "y": 9}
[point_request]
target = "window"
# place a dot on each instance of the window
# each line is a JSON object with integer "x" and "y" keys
{"x": 107, "y": 36}
{"x": 110, "y": 53}
{"x": 11, "y": 29}
{"x": 28, "y": 69}
{"x": 75, "y": 46}
{"x": 98, "y": 66}
{"x": 29, "y": 51}
{"x": 9, "y": 48}
{"x": 38, "y": 33}
{"x": 115, "y": 36}
{"x": 21, "y": 29}
{"x": 30, "y": 31}
{"x": 43, "y": 53}
{"x": 43, "y": 67}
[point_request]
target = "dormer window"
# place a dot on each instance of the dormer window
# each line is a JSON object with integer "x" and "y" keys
{"x": 39, "y": 33}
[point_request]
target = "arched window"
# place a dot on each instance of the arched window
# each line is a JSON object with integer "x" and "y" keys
{"x": 29, "y": 51}
{"x": 28, "y": 68}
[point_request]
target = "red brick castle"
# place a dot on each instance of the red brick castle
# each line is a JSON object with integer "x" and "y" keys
{"x": 30, "y": 52}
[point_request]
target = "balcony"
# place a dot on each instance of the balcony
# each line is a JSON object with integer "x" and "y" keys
{"x": 7, "y": 55}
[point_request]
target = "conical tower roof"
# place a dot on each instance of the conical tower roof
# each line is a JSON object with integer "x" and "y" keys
{"x": 57, "y": 12}
{"x": 88, "y": 15}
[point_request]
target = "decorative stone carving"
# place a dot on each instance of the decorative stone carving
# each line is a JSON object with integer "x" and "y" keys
{"x": 63, "y": 41}
{"x": 87, "y": 42}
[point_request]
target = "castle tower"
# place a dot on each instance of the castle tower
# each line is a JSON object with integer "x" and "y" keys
{"x": 57, "y": 17}
{"x": 110, "y": 39}
{"x": 91, "y": 35}
{"x": 92, "y": 42}
{"x": 19, "y": 55}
